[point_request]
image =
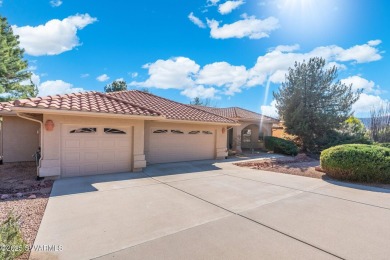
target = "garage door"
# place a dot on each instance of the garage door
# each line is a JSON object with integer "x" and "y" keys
{"x": 174, "y": 145}
{"x": 89, "y": 150}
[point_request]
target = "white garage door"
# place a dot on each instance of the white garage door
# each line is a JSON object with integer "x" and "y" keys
{"x": 89, "y": 150}
{"x": 175, "y": 145}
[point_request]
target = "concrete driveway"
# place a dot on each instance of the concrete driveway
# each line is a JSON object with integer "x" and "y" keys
{"x": 213, "y": 210}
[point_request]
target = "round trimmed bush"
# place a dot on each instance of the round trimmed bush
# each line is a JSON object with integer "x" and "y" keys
{"x": 279, "y": 145}
{"x": 357, "y": 162}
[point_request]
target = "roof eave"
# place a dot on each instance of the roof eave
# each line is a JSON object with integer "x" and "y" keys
{"x": 83, "y": 113}
{"x": 199, "y": 122}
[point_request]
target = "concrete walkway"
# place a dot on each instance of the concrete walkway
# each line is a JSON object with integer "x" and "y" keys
{"x": 213, "y": 210}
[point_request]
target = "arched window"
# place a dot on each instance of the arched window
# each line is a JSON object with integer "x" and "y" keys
{"x": 114, "y": 131}
{"x": 83, "y": 130}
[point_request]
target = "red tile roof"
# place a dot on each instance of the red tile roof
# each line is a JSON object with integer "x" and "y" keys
{"x": 236, "y": 113}
{"x": 170, "y": 109}
{"x": 85, "y": 102}
{"x": 132, "y": 102}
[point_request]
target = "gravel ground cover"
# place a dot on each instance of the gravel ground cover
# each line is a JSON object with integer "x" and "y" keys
{"x": 25, "y": 196}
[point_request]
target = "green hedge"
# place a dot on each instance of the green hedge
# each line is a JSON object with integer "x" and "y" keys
{"x": 357, "y": 162}
{"x": 279, "y": 145}
{"x": 387, "y": 145}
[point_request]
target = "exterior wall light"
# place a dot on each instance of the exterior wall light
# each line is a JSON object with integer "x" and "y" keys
{"x": 49, "y": 125}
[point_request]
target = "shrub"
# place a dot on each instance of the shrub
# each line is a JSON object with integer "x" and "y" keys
{"x": 357, "y": 162}
{"x": 333, "y": 138}
{"x": 11, "y": 238}
{"x": 279, "y": 145}
{"x": 387, "y": 145}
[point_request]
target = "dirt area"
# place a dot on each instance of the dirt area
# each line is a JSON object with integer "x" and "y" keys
{"x": 299, "y": 165}
{"x": 25, "y": 196}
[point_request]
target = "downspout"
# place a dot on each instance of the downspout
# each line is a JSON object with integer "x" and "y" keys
{"x": 41, "y": 139}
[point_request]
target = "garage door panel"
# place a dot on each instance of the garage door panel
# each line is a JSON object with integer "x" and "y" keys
{"x": 69, "y": 143}
{"x": 94, "y": 153}
{"x": 174, "y": 147}
{"x": 90, "y": 168}
{"x": 122, "y": 143}
{"x": 108, "y": 143}
{"x": 72, "y": 156}
{"x": 91, "y": 156}
{"x": 71, "y": 171}
{"x": 122, "y": 156}
{"x": 93, "y": 143}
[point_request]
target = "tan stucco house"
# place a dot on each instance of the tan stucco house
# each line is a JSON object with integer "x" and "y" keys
{"x": 95, "y": 133}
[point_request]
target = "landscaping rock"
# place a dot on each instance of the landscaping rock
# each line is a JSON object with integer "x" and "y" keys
{"x": 32, "y": 196}
{"x": 45, "y": 190}
{"x": 19, "y": 194}
{"x": 4, "y": 196}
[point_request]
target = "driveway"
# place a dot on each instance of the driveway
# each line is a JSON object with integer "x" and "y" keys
{"x": 212, "y": 210}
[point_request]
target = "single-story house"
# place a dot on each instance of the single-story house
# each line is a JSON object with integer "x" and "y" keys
{"x": 95, "y": 133}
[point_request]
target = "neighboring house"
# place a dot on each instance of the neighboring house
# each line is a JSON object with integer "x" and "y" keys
{"x": 95, "y": 133}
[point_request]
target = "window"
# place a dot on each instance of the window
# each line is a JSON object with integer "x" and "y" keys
{"x": 207, "y": 132}
{"x": 246, "y": 135}
{"x": 84, "y": 130}
{"x": 177, "y": 132}
{"x": 114, "y": 131}
{"x": 160, "y": 131}
{"x": 193, "y": 132}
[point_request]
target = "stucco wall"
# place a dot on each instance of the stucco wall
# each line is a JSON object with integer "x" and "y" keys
{"x": 220, "y": 142}
{"x": 20, "y": 139}
{"x": 51, "y": 148}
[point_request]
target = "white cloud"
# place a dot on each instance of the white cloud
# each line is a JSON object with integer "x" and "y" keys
{"x": 134, "y": 75}
{"x": 338, "y": 65}
{"x": 172, "y": 73}
{"x": 85, "y": 75}
{"x": 374, "y": 42}
{"x": 120, "y": 79}
{"x": 276, "y": 63}
{"x": 212, "y": 2}
{"x": 361, "y": 83}
{"x": 199, "y": 91}
{"x": 196, "y": 20}
{"x": 229, "y": 6}
{"x": 54, "y": 37}
{"x": 361, "y": 53}
{"x": 286, "y": 48}
{"x": 366, "y": 103}
{"x": 249, "y": 27}
{"x": 53, "y": 87}
{"x": 55, "y": 3}
{"x": 223, "y": 74}
{"x": 103, "y": 77}
{"x": 185, "y": 74}
{"x": 270, "y": 110}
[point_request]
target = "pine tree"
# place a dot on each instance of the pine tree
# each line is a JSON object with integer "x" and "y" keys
{"x": 312, "y": 103}
{"x": 117, "y": 85}
{"x": 14, "y": 76}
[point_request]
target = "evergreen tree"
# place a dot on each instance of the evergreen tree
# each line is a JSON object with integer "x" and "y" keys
{"x": 198, "y": 102}
{"x": 117, "y": 85}
{"x": 312, "y": 103}
{"x": 14, "y": 76}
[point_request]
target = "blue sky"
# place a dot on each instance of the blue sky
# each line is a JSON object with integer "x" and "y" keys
{"x": 233, "y": 52}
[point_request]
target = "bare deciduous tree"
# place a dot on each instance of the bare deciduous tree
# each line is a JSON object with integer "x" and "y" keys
{"x": 380, "y": 123}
